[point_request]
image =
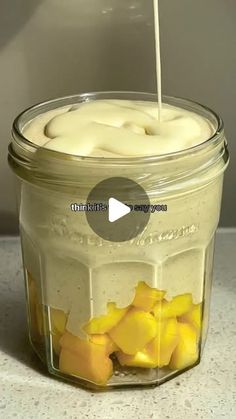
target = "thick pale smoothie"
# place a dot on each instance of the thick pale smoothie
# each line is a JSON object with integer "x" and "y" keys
{"x": 118, "y": 129}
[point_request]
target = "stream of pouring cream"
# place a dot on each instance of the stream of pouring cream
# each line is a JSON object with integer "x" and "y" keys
{"x": 158, "y": 56}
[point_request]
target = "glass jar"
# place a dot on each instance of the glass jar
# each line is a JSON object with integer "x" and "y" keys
{"x": 107, "y": 314}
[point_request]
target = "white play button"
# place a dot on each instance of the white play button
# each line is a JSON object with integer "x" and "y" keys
{"x": 117, "y": 210}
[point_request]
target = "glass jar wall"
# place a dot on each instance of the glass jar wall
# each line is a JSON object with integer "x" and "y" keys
{"x": 107, "y": 314}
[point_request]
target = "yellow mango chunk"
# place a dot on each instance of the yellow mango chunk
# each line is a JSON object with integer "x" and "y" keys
{"x": 58, "y": 320}
{"x": 146, "y": 297}
{"x": 58, "y": 325}
{"x": 84, "y": 359}
{"x": 178, "y": 306}
{"x": 103, "y": 324}
{"x": 186, "y": 352}
{"x": 134, "y": 331}
{"x": 162, "y": 347}
{"x": 158, "y": 352}
{"x": 141, "y": 359}
{"x": 193, "y": 317}
{"x": 106, "y": 341}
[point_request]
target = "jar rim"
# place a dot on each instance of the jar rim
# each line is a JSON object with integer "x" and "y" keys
{"x": 91, "y": 96}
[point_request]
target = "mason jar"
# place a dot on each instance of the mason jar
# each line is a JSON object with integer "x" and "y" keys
{"x": 110, "y": 314}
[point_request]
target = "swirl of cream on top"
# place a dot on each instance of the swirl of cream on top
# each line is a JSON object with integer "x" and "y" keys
{"x": 118, "y": 128}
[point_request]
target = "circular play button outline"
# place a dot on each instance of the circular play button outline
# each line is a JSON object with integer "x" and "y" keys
{"x": 118, "y": 222}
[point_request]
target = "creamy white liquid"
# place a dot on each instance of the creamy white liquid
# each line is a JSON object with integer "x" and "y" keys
{"x": 118, "y": 128}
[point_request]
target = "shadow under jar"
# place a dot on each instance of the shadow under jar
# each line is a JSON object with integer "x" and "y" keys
{"x": 107, "y": 314}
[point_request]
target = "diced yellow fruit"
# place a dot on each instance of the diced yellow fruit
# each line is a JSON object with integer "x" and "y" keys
{"x": 58, "y": 320}
{"x": 134, "y": 331}
{"x": 58, "y": 325}
{"x": 103, "y": 324}
{"x": 163, "y": 345}
{"x": 84, "y": 359}
{"x": 193, "y": 317}
{"x": 141, "y": 359}
{"x": 98, "y": 370}
{"x": 186, "y": 352}
{"x": 146, "y": 297}
{"x": 158, "y": 352}
{"x": 178, "y": 306}
{"x": 81, "y": 346}
{"x": 106, "y": 341}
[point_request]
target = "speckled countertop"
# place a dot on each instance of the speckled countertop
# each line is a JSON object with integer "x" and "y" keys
{"x": 207, "y": 391}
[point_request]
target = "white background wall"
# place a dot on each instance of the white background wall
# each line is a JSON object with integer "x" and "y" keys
{"x": 51, "y": 48}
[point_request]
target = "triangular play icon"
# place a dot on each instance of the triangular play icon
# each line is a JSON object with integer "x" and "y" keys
{"x": 117, "y": 210}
